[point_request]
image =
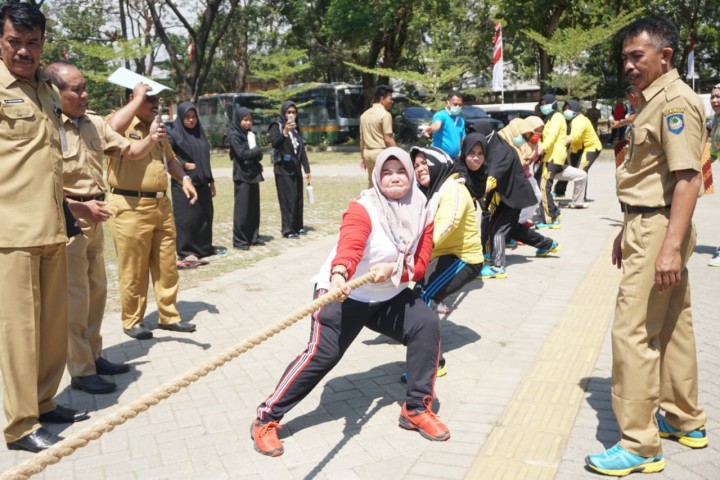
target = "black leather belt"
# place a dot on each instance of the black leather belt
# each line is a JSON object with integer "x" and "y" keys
{"x": 78, "y": 198}
{"x": 133, "y": 193}
{"x": 633, "y": 209}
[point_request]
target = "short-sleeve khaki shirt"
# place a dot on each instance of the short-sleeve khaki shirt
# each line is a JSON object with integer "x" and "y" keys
{"x": 375, "y": 123}
{"x": 145, "y": 175}
{"x": 667, "y": 136}
{"x": 31, "y": 193}
{"x": 84, "y": 149}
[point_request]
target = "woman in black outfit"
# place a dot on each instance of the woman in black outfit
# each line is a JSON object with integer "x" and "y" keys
{"x": 192, "y": 222}
{"x": 290, "y": 160}
{"x": 247, "y": 175}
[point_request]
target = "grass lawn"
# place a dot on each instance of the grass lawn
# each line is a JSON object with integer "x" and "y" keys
{"x": 332, "y": 195}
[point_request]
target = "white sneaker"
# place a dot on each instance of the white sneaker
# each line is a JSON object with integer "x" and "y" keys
{"x": 715, "y": 261}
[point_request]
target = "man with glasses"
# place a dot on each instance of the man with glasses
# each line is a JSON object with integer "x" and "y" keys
{"x": 142, "y": 219}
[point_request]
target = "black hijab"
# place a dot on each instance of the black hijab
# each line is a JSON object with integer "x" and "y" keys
{"x": 235, "y": 128}
{"x": 440, "y": 167}
{"x": 191, "y": 145}
{"x": 474, "y": 181}
{"x": 504, "y": 165}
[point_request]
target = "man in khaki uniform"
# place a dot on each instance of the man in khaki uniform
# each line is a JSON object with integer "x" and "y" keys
{"x": 85, "y": 140}
{"x": 33, "y": 294}
{"x": 654, "y": 359}
{"x": 376, "y": 129}
{"x": 142, "y": 219}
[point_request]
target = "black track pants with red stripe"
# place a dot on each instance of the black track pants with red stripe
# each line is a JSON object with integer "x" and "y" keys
{"x": 405, "y": 318}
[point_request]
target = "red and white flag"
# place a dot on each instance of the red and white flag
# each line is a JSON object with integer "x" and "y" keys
{"x": 497, "y": 78}
{"x": 691, "y": 59}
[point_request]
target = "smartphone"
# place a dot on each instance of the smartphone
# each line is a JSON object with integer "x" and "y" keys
{"x": 290, "y": 118}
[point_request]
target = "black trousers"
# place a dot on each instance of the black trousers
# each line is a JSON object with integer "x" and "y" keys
{"x": 193, "y": 223}
{"x": 444, "y": 276}
{"x": 246, "y": 214}
{"x": 503, "y": 223}
{"x": 404, "y": 318}
{"x": 290, "y": 197}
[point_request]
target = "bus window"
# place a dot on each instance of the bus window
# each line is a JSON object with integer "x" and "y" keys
{"x": 350, "y": 102}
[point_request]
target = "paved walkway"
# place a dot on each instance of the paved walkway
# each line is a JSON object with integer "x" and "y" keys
{"x": 526, "y": 395}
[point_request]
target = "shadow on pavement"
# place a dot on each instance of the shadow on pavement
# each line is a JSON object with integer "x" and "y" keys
{"x": 705, "y": 249}
{"x": 598, "y": 389}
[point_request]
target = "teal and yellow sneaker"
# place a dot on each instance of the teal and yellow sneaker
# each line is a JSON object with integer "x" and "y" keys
{"x": 693, "y": 439}
{"x": 544, "y": 252}
{"x": 489, "y": 271}
{"x": 618, "y": 462}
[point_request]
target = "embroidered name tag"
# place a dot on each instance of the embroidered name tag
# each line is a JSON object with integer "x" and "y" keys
{"x": 11, "y": 101}
{"x": 135, "y": 136}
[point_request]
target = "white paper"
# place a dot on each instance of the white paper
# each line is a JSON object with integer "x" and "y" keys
{"x": 128, "y": 79}
{"x": 252, "y": 143}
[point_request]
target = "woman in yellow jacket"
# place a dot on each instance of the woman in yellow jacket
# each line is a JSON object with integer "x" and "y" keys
{"x": 585, "y": 146}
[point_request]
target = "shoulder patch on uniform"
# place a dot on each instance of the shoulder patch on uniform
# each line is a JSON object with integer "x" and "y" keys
{"x": 11, "y": 101}
{"x": 134, "y": 136}
{"x": 675, "y": 122}
{"x": 673, "y": 110}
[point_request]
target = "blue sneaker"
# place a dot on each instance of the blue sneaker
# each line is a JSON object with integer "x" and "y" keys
{"x": 693, "y": 439}
{"x": 551, "y": 226}
{"x": 487, "y": 256}
{"x": 618, "y": 462}
{"x": 511, "y": 244}
{"x": 488, "y": 271}
{"x": 544, "y": 252}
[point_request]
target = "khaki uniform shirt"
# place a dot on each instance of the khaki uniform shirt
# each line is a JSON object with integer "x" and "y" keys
{"x": 375, "y": 122}
{"x": 31, "y": 193}
{"x": 145, "y": 175}
{"x": 667, "y": 136}
{"x": 86, "y": 143}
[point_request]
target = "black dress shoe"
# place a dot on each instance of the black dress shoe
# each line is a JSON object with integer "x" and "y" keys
{"x": 106, "y": 367}
{"x": 138, "y": 332}
{"x": 181, "y": 326}
{"x": 302, "y": 231}
{"x": 63, "y": 415}
{"x": 36, "y": 441}
{"x": 259, "y": 243}
{"x": 93, "y": 384}
{"x": 291, "y": 235}
{"x": 241, "y": 247}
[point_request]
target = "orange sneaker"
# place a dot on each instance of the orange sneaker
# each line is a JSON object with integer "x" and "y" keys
{"x": 425, "y": 422}
{"x": 266, "y": 438}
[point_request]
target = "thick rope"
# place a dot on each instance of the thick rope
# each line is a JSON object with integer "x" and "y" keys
{"x": 68, "y": 445}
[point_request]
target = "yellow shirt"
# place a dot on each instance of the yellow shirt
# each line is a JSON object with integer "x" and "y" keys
{"x": 375, "y": 122}
{"x": 30, "y": 163}
{"x": 582, "y": 135}
{"x": 667, "y": 136}
{"x": 456, "y": 227}
{"x": 86, "y": 143}
{"x": 554, "y": 138}
{"x": 145, "y": 175}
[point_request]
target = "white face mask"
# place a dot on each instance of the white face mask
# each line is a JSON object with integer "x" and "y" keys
{"x": 546, "y": 109}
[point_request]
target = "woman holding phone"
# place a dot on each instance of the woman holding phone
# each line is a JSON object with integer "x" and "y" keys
{"x": 290, "y": 160}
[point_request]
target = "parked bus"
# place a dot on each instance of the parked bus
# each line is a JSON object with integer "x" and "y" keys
{"x": 328, "y": 112}
{"x": 216, "y": 113}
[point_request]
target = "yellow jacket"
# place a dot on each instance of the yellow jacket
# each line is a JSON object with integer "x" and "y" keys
{"x": 582, "y": 135}
{"x": 554, "y": 140}
{"x": 456, "y": 228}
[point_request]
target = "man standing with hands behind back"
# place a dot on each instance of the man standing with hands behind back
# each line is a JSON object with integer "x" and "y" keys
{"x": 33, "y": 293}
{"x": 142, "y": 219}
{"x": 376, "y": 129}
{"x": 654, "y": 358}
{"x": 86, "y": 139}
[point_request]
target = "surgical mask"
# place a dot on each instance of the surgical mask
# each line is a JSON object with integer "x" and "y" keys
{"x": 518, "y": 141}
{"x": 455, "y": 111}
{"x": 546, "y": 109}
{"x": 569, "y": 115}
{"x": 535, "y": 138}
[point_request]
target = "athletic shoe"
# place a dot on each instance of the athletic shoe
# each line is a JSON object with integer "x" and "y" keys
{"x": 558, "y": 195}
{"x": 715, "y": 261}
{"x": 424, "y": 421}
{"x": 578, "y": 207}
{"x": 266, "y": 438}
{"x": 442, "y": 368}
{"x": 693, "y": 439}
{"x": 487, "y": 256}
{"x": 618, "y": 462}
{"x": 552, "y": 226}
{"x": 489, "y": 271}
{"x": 544, "y": 252}
{"x": 511, "y": 244}
{"x": 441, "y": 308}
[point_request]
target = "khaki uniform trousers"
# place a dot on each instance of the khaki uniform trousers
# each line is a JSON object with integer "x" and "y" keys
{"x": 654, "y": 359}
{"x": 33, "y": 332}
{"x": 370, "y": 155}
{"x": 144, "y": 236}
{"x": 87, "y": 292}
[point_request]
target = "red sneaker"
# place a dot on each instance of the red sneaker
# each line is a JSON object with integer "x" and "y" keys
{"x": 266, "y": 438}
{"x": 425, "y": 422}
